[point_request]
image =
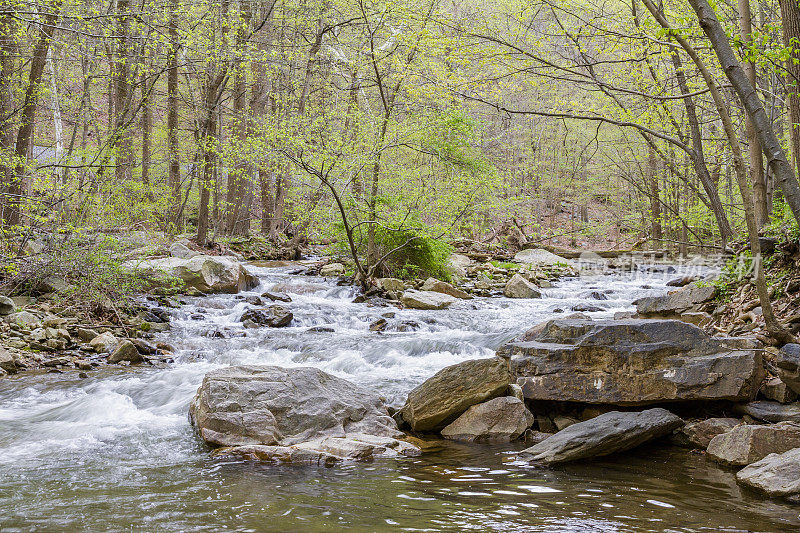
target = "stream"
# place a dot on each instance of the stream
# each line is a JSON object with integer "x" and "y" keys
{"x": 115, "y": 452}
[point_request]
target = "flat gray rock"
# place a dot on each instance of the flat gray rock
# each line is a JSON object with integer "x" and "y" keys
{"x": 770, "y": 411}
{"x": 428, "y": 300}
{"x": 674, "y": 303}
{"x": 699, "y": 434}
{"x": 630, "y": 362}
{"x": 603, "y": 435}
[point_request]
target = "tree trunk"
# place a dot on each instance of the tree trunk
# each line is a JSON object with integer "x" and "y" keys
{"x": 237, "y": 186}
{"x": 776, "y": 157}
{"x": 147, "y": 129}
{"x": 123, "y": 87}
{"x": 698, "y": 159}
{"x": 655, "y": 201}
{"x": 790, "y": 15}
{"x": 754, "y": 147}
{"x": 174, "y": 179}
{"x": 8, "y": 55}
{"x": 12, "y": 214}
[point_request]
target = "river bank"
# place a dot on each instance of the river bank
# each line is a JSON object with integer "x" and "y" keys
{"x": 76, "y": 450}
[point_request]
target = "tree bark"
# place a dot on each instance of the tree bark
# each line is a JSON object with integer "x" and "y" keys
{"x": 174, "y": 177}
{"x": 754, "y": 147}
{"x": 790, "y": 16}
{"x": 772, "y": 149}
{"x": 655, "y": 201}
{"x": 12, "y": 214}
{"x": 123, "y": 87}
{"x": 8, "y": 55}
{"x": 698, "y": 159}
{"x": 147, "y": 129}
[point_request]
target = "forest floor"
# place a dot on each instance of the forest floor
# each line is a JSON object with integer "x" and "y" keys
{"x": 738, "y": 311}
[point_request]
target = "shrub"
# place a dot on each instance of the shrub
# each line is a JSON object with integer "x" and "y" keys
{"x": 84, "y": 272}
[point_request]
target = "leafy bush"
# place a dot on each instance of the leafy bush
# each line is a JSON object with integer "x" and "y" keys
{"x": 418, "y": 256}
{"x": 84, "y": 272}
{"x": 421, "y": 257}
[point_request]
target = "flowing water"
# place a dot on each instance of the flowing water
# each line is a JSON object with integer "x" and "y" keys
{"x": 115, "y": 452}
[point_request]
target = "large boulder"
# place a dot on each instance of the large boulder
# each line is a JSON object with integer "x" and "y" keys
{"x": 630, "y": 362}
{"x": 699, "y": 434}
{"x": 426, "y": 300}
{"x": 538, "y": 256}
{"x": 519, "y": 287}
{"x": 776, "y": 475}
{"x": 770, "y": 411}
{"x": 210, "y": 274}
{"x": 608, "y": 433}
{"x": 290, "y": 408}
{"x": 749, "y": 443}
{"x": 502, "y": 419}
{"x": 444, "y": 397}
{"x": 435, "y": 285}
{"x": 675, "y": 303}
{"x": 787, "y": 361}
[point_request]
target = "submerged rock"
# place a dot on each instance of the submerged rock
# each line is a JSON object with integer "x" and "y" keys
{"x": 444, "y": 397}
{"x": 291, "y": 407}
{"x": 426, "y": 300}
{"x": 776, "y": 475}
{"x": 502, "y": 419}
{"x": 519, "y": 287}
{"x": 297, "y": 287}
{"x": 699, "y": 434}
{"x": 276, "y": 296}
{"x": 209, "y": 274}
{"x": 747, "y": 444}
{"x": 603, "y": 435}
{"x": 630, "y": 362}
